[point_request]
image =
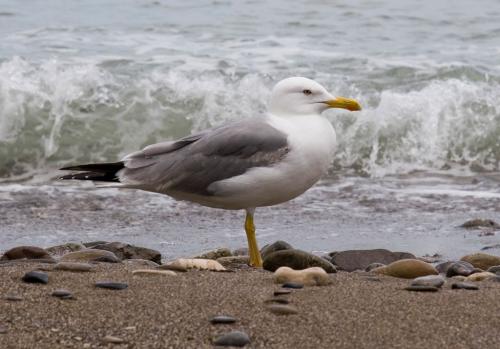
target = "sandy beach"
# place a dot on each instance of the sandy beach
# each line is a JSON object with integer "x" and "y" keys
{"x": 358, "y": 310}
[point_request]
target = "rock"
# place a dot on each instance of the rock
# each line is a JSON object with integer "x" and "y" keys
{"x": 235, "y": 262}
{"x": 153, "y": 272}
{"x": 407, "y": 268}
{"x": 457, "y": 268}
{"x": 294, "y": 285}
{"x": 62, "y": 293}
{"x": 60, "y": 250}
{"x": 242, "y": 251}
{"x": 13, "y": 298}
{"x": 73, "y": 266}
{"x": 26, "y": 252}
{"x": 127, "y": 251}
{"x": 277, "y": 300}
{"x": 421, "y": 288}
{"x": 222, "y": 319}
{"x": 458, "y": 278}
{"x": 282, "y": 291}
{"x": 494, "y": 269}
{"x": 464, "y": 286}
{"x": 436, "y": 257}
{"x": 91, "y": 244}
{"x": 215, "y": 254}
{"x": 107, "y": 259}
{"x": 480, "y": 223}
{"x": 314, "y": 276}
{"x": 275, "y": 246}
{"x": 372, "y": 266}
{"x": 351, "y": 260}
{"x": 183, "y": 264}
{"x": 282, "y": 309}
{"x": 110, "y": 285}
{"x": 113, "y": 339}
{"x": 429, "y": 280}
{"x": 232, "y": 339}
{"x": 482, "y": 260}
{"x": 36, "y": 277}
{"x": 88, "y": 255}
{"x": 296, "y": 259}
{"x": 485, "y": 275}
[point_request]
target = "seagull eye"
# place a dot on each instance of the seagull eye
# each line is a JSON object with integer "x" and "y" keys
{"x": 307, "y": 92}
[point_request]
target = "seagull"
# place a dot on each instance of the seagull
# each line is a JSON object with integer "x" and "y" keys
{"x": 242, "y": 165}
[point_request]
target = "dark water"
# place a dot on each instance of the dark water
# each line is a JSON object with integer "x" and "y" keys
{"x": 94, "y": 80}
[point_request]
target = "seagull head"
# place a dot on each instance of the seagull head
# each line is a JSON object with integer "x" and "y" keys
{"x": 302, "y": 96}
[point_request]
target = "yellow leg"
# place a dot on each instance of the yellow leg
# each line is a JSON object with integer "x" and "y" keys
{"x": 253, "y": 249}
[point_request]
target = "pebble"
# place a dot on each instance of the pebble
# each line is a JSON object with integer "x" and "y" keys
{"x": 183, "y": 264}
{"x": 215, "y": 254}
{"x": 279, "y": 245}
{"x": 372, "y": 266}
{"x": 294, "y": 285}
{"x": 278, "y": 300}
{"x": 62, "y": 293}
{"x": 222, "y": 319}
{"x": 36, "y": 277}
{"x": 232, "y": 339}
{"x": 482, "y": 260}
{"x": 422, "y": 288}
{"x": 464, "y": 286}
{"x": 296, "y": 259}
{"x": 234, "y": 261}
{"x": 458, "y": 268}
{"x": 485, "y": 275}
{"x": 153, "y": 272}
{"x": 26, "y": 252}
{"x": 282, "y": 309}
{"x": 407, "y": 269}
{"x": 494, "y": 269}
{"x": 110, "y": 285}
{"x": 89, "y": 255}
{"x": 60, "y": 250}
{"x": 73, "y": 266}
{"x": 3, "y": 329}
{"x": 429, "y": 280}
{"x": 113, "y": 339}
{"x": 282, "y": 291}
{"x": 314, "y": 276}
{"x": 13, "y": 298}
{"x": 127, "y": 251}
{"x": 351, "y": 260}
{"x": 480, "y": 223}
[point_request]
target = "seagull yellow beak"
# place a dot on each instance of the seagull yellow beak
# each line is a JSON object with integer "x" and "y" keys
{"x": 344, "y": 103}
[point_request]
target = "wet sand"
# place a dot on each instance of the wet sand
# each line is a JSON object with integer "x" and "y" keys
{"x": 173, "y": 312}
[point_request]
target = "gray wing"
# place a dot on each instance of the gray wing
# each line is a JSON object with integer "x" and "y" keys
{"x": 192, "y": 163}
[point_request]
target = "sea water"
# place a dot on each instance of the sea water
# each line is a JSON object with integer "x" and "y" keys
{"x": 94, "y": 80}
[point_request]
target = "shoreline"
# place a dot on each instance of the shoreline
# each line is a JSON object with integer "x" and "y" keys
{"x": 358, "y": 310}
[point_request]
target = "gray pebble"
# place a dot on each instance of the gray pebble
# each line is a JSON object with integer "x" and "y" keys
{"x": 372, "y": 266}
{"x": 222, "y": 319}
{"x": 282, "y": 309}
{"x": 3, "y": 329}
{"x": 13, "y": 298}
{"x": 294, "y": 285}
{"x": 429, "y": 280}
{"x": 495, "y": 269}
{"x": 63, "y": 294}
{"x": 232, "y": 339}
{"x": 36, "y": 277}
{"x": 110, "y": 285}
{"x": 464, "y": 286}
{"x": 282, "y": 291}
{"x": 422, "y": 288}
